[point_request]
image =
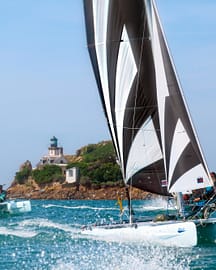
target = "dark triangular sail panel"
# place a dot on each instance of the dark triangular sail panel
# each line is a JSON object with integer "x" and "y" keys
{"x": 183, "y": 158}
{"x": 141, "y": 97}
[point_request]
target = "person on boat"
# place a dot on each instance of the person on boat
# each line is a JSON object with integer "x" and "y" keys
{"x": 119, "y": 202}
{"x": 3, "y": 194}
{"x": 186, "y": 197}
{"x": 200, "y": 197}
{"x": 208, "y": 193}
{"x": 131, "y": 211}
{"x": 213, "y": 176}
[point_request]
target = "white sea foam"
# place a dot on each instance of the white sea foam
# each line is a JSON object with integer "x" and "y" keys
{"x": 157, "y": 204}
{"x": 130, "y": 262}
{"x": 120, "y": 257}
{"x": 45, "y": 223}
{"x": 63, "y": 266}
{"x": 79, "y": 207}
{"x": 153, "y": 205}
{"x": 17, "y": 232}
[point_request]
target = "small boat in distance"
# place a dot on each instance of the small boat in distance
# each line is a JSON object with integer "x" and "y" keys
{"x": 13, "y": 206}
{"x": 149, "y": 122}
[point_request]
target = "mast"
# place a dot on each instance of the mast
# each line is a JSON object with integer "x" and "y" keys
{"x": 180, "y": 204}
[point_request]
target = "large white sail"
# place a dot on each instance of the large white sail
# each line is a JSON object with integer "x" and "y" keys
{"x": 142, "y": 99}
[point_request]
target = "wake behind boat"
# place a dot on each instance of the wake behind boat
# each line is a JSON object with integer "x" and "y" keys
{"x": 152, "y": 132}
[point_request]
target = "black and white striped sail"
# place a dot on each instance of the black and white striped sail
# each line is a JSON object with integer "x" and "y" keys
{"x": 146, "y": 113}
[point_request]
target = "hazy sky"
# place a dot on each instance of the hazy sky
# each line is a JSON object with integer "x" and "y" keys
{"x": 47, "y": 84}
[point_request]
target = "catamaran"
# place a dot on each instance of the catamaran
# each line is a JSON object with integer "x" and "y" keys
{"x": 149, "y": 122}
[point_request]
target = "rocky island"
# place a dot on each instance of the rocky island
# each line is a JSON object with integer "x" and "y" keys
{"x": 58, "y": 191}
{"x": 90, "y": 174}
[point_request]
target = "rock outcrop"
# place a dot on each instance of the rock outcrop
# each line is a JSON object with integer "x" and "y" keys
{"x": 59, "y": 191}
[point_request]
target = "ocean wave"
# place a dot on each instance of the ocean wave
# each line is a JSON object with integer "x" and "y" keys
{"x": 79, "y": 207}
{"x": 45, "y": 223}
{"x": 157, "y": 204}
{"x": 17, "y": 232}
{"x": 151, "y": 206}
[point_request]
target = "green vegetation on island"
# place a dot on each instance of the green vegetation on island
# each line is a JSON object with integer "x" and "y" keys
{"x": 48, "y": 174}
{"x": 97, "y": 164}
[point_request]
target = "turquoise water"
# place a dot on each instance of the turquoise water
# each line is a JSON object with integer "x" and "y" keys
{"x": 48, "y": 238}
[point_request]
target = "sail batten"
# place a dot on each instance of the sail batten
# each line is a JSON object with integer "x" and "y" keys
{"x": 142, "y": 98}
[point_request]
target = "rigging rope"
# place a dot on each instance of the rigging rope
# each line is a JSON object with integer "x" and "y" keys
{"x": 206, "y": 206}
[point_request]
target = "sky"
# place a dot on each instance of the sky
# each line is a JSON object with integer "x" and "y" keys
{"x": 47, "y": 85}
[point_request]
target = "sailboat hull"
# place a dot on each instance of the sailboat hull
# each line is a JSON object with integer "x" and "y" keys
{"x": 181, "y": 234}
{"x": 206, "y": 230}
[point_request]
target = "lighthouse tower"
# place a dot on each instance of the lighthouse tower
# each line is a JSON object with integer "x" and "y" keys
{"x": 55, "y": 155}
{"x": 54, "y": 151}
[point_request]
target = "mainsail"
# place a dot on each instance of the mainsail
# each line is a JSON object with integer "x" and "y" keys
{"x": 151, "y": 129}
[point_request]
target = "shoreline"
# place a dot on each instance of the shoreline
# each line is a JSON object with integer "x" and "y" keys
{"x": 60, "y": 192}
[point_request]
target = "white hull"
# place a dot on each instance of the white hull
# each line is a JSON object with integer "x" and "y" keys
{"x": 15, "y": 207}
{"x": 169, "y": 233}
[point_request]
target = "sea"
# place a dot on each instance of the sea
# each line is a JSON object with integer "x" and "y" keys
{"x": 49, "y": 237}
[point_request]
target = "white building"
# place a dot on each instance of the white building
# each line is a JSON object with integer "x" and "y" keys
{"x": 72, "y": 175}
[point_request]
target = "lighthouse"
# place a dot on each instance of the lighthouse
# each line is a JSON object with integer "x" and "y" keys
{"x": 55, "y": 151}
{"x": 55, "y": 155}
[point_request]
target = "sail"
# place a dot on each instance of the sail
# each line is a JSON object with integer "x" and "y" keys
{"x": 152, "y": 133}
